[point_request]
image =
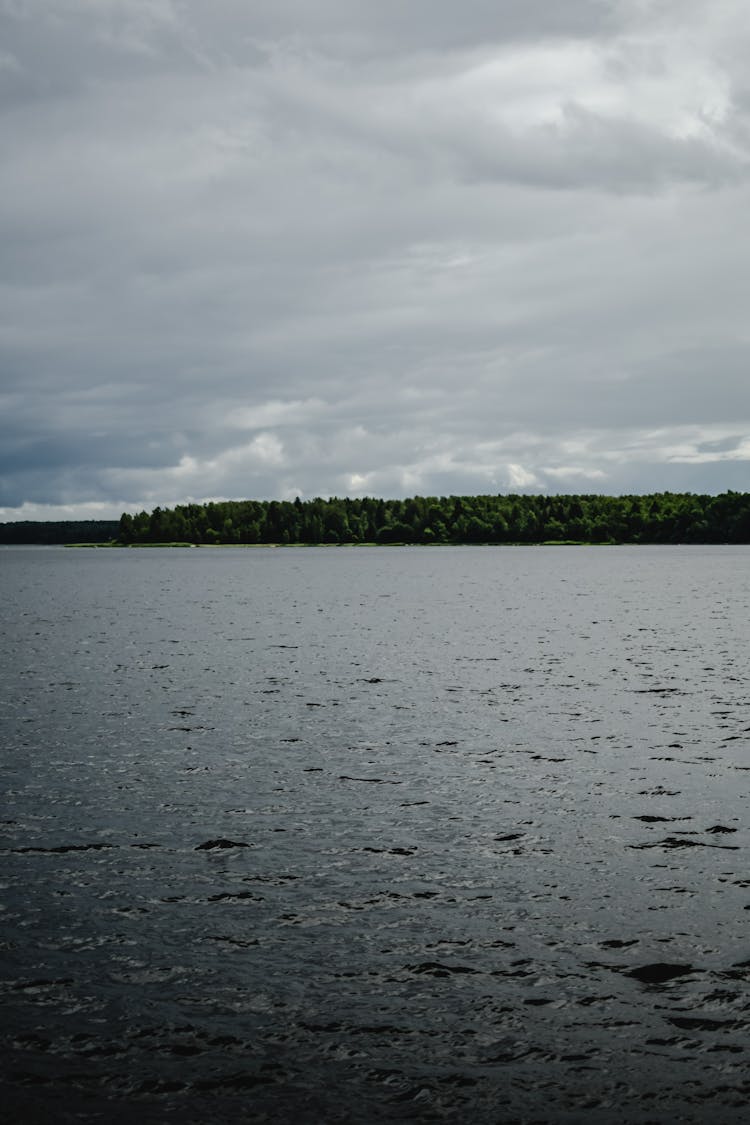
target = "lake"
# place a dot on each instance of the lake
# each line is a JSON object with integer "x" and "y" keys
{"x": 376, "y": 834}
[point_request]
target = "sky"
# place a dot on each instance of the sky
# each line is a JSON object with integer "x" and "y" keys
{"x": 277, "y": 248}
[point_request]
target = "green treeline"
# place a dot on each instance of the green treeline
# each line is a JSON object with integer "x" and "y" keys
{"x": 56, "y": 532}
{"x": 663, "y": 517}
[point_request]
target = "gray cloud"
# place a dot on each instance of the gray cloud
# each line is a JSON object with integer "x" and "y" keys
{"x": 344, "y": 247}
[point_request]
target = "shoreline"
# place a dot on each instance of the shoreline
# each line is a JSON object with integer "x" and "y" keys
{"x": 343, "y": 546}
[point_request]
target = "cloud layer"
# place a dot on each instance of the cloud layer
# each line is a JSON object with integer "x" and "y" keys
{"x": 343, "y": 248}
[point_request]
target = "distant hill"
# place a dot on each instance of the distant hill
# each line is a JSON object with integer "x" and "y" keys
{"x": 57, "y": 532}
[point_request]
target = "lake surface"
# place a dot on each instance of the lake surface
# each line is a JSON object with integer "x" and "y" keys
{"x": 359, "y": 835}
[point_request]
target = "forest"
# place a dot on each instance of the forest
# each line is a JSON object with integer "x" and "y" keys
{"x": 56, "y": 532}
{"x": 658, "y": 518}
{"x": 662, "y": 517}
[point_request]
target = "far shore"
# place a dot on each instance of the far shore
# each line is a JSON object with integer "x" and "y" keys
{"x": 304, "y": 546}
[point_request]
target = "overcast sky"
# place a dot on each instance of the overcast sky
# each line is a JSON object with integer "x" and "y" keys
{"x": 268, "y": 248}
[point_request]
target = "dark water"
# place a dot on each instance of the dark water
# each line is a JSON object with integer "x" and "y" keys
{"x": 488, "y": 817}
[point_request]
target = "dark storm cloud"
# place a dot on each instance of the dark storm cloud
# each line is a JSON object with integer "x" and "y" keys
{"x": 310, "y": 248}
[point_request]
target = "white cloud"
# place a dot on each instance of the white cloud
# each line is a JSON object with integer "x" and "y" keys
{"x": 574, "y": 473}
{"x": 274, "y": 413}
{"x": 358, "y": 483}
{"x": 519, "y": 477}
